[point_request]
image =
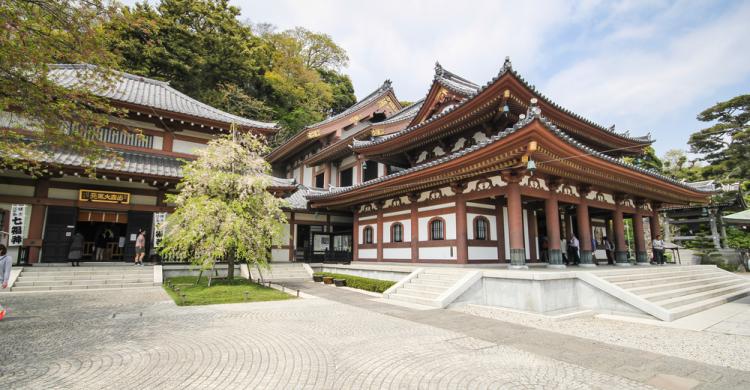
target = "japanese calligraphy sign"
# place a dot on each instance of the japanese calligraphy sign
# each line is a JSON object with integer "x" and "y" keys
{"x": 104, "y": 196}
{"x": 17, "y": 214}
{"x": 159, "y": 219}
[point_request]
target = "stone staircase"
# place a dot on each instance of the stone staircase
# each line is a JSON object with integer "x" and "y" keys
{"x": 678, "y": 291}
{"x": 51, "y": 278}
{"x": 436, "y": 287}
{"x": 283, "y": 271}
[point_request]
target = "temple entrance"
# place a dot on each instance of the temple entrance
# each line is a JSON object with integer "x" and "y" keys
{"x": 103, "y": 241}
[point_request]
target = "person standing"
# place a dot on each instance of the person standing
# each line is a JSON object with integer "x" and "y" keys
{"x": 564, "y": 253}
{"x": 140, "y": 247}
{"x": 100, "y": 244}
{"x": 657, "y": 246}
{"x": 573, "y": 245}
{"x": 6, "y": 264}
{"x": 609, "y": 249}
{"x": 76, "y": 250}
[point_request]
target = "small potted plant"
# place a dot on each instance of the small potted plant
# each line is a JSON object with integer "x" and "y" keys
{"x": 328, "y": 280}
{"x": 339, "y": 282}
{"x": 317, "y": 278}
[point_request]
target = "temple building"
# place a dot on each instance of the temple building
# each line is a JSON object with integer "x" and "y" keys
{"x": 128, "y": 191}
{"x": 493, "y": 174}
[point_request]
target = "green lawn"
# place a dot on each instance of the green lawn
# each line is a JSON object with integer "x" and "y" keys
{"x": 222, "y": 291}
{"x": 375, "y": 285}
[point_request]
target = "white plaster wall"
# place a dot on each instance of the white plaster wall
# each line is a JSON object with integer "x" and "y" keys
{"x": 310, "y": 217}
{"x": 470, "y": 225}
{"x": 381, "y": 170}
{"x": 186, "y": 147}
{"x": 387, "y": 230}
{"x": 368, "y": 253}
{"x": 348, "y": 160}
{"x": 278, "y": 254}
{"x": 60, "y": 193}
{"x": 143, "y": 200}
{"x": 402, "y": 212}
{"x": 437, "y": 206}
{"x": 482, "y": 253}
{"x": 361, "y": 236}
{"x": 481, "y": 205}
{"x": 397, "y": 253}
{"x": 308, "y": 179}
{"x": 296, "y": 173}
{"x": 437, "y": 253}
{"x": 334, "y": 174}
{"x": 368, "y": 218}
{"x": 450, "y": 227}
{"x": 16, "y": 190}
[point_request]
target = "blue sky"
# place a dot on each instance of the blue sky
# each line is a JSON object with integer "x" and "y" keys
{"x": 645, "y": 66}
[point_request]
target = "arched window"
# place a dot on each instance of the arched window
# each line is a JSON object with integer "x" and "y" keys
{"x": 397, "y": 232}
{"x": 437, "y": 229}
{"x": 367, "y": 234}
{"x": 481, "y": 228}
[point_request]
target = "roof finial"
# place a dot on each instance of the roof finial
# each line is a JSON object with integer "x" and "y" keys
{"x": 534, "y": 109}
{"x": 507, "y": 65}
{"x": 438, "y": 69}
{"x": 386, "y": 84}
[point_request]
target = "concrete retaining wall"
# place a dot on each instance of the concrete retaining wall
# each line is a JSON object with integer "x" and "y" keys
{"x": 394, "y": 273}
{"x": 172, "y": 270}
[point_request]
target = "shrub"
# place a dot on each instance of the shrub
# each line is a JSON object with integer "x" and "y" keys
{"x": 374, "y": 285}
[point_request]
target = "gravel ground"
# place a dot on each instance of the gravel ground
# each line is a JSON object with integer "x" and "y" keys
{"x": 722, "y": 350}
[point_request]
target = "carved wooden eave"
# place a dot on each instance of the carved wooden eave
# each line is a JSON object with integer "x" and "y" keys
{"x": 556, "y": 155}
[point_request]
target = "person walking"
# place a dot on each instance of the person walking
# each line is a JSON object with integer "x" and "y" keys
{"x": 76, "y": 250}
{"x": 609, "y": 250}
{"x": 140, "y": 247}
{"x": 564, "y": 251}
{"x": 573, "y": 245}
{"x": 657, "y": 245}
{"x": 6, "y": 264}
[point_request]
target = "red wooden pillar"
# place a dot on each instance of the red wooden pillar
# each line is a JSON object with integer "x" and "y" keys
{"x": 654, "y": 221}
{"x": 36, "y": 221}
{"x": 355, "y": 234}
{"x": 462, "y": 243}
{"x": 414, "y": 227}
{"x": 552, "y": 216}
{"x": 618, "y": 227}
{"x": 380, "y": 205}
{"x": 515, "y": 224}
{"x": 168, "y": 141}
{"x": 584, "y": 228}
{"x": 500, "y": 223}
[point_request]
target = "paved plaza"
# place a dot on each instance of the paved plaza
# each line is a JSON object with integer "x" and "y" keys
{"x": 139, "y": 339}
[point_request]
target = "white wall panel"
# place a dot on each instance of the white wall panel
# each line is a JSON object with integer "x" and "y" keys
{"x": 368, "y": 253}
{"x": 438, "y": 253}
{"x": 397, "y": 253}
{"x": 482, "y": 253}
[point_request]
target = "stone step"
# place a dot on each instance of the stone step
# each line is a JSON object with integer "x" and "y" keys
{"x": 650, "y": 269}
{"x": 444, "y": 284}
{"x": 138, "y": 270}
{"x": 96, "y": 287}
{"x": 83, "y": 269}
{"x": 425, "y": 287}
{"x": 85, "y": 277}
{"x": 654, "y": 275}
{"x": 695, "y": 307}
{"x": 676, "y": 285}
{"x": 680, "y": 292}
{"x": 24, "y": 283}
{"x": 440, "y": 277}
{"x": 671, "y": 303}
{"x": 399, "y": 296}
{"x": 652, "y": 282}
{"x": 418, "y": 293}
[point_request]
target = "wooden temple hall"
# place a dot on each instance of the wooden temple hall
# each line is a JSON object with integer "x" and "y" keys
{"x": 472, "y": 174}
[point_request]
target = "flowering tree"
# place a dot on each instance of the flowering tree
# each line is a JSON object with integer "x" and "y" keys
{"x": 223, "y": 211}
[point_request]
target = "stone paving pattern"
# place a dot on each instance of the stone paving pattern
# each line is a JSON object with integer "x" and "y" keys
{"x": 140, "y": 339}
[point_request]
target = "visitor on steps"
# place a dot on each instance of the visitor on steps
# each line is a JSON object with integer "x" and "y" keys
{"x": 140, "y": 247}
{"x": 76, "y": 250}
{"x": 657, "y": 246}
{"x": 100, "y": 244}
{"x": 609, "y": 250}
{"x": 6, "y": 263}
{"x": 573, "y": 245}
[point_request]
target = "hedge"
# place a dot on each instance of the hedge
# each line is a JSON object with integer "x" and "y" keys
{"x": 361, "y": 283}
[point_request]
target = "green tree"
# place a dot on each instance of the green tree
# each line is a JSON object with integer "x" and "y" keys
{"x": 35, "y": 34}
{"x": 223, "y": 210}
{"x": 676, "y": 164}
{"x": 342, "y": 90}
{"x": 648, "y": 160}
{"x": 725, "y": 145}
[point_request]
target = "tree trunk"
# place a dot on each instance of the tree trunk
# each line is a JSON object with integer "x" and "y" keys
{"x": 230, "y": 266}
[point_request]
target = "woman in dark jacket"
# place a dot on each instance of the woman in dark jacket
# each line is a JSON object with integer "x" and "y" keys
{"x": 76, "y": 250}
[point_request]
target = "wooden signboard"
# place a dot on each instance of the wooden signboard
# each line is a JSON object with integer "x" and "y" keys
{"x": 104, "y": 196}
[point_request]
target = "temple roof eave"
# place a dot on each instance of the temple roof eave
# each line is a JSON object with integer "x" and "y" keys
{"x": 636, "y": 172}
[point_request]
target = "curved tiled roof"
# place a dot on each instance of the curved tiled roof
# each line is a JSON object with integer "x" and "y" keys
{"x": 496, "y": 138}
{"x": 453, "y": 81}
{"x": 506, "y": 69}
{"x": 374, "y": 95}
{"x": 147, "y": 92}
{"x": 125, "y": 162}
